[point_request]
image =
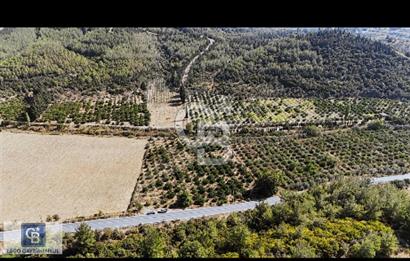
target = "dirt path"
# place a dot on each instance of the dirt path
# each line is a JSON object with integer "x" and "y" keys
{"x": 165, "y": 105}
{"x": 188, "y": 68}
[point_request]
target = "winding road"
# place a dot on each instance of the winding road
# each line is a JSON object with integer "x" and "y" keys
{"x": 178, "y": 214}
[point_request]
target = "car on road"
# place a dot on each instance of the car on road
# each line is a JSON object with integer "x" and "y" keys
{"x": 150, "y": 212}
{"x": 164, "y": 210}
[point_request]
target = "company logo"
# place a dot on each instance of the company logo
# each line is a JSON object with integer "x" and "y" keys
{"x": 33, "y": 234}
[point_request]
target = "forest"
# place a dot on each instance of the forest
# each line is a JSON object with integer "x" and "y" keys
{"x": 88, "y": 61}
{"x": 242, "y": 62}
{"x": 325, "y": 63}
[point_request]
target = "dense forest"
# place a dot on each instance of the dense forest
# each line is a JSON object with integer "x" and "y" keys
{"x": 265, "y": 61}
{"x": 346, "y": 218}
{"x": 320, "y": 64}
{"x": 70, "y": 60}
{"x": 92, "y": 59}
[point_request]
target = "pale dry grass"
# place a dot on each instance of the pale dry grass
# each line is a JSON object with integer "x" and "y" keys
{"x": 164, "y": 115}
{"x": 68, "y": 175}
{"x": 163, "y": 105}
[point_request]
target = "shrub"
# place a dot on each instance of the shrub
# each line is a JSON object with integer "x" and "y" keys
{"x": 311, "y": 131}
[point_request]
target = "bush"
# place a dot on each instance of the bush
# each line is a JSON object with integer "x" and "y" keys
{"x": 376, "y": 125}
{"x": 311, "y": 131}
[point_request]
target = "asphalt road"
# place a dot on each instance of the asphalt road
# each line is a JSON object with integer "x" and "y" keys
{"x": 390, "y": 178}
{"x": 171, "y": 215}
{"x": 180, "y": 214}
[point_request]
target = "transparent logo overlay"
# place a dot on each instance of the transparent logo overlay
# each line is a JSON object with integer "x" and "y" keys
{"x": 31, "y": 238}
{"x": 214, "y": 134}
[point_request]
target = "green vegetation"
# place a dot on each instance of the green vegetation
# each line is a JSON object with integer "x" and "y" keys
{"x": 346, "y": 218}
{"x": 260, "y": 81}
{"x": 171, "y": 168}
{"x": 112, "y": 111}
{"x": 88, "y": 60}
{"x": 301, "y": 162}
{"x": 11, "y": 109}
{"x": 306, "y": 161}
{"x": 267, "y": 183}
{"x": 376, "y": 125}
{"x": 67, "y": 60}
{"x": 326, "y": 63}
{"x": 205, "y": 106}
{"x": 311, "y": 131}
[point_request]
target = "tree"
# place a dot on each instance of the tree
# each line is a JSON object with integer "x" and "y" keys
{"x": 268, "y": 182}
{"x": 192, "y": 249}
{"x": 184, "y": 199}
{"x": 302, "y": 249}
{"x": 154, "y": 244}
{"x": 240, "y": 240}
{"x": 375, "y": 125}
{"x": 365, "y": 249}
{"x": 37, "y": 102}
{"x": 84, "y": 239}
{"x": 262, "y": 217}
{"x": 311, "y": 131}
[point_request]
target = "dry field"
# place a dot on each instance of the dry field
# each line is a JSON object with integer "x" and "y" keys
{"x": 68, "y": 175}
{"x": 164, "y": 115}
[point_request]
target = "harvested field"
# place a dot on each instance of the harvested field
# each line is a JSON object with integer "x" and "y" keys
{"x": 68, "y": 175}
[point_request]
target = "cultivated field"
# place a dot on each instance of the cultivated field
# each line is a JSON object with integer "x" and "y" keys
{"x": 68, "y": 175}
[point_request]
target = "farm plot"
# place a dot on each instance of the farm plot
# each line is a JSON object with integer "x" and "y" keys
{"x": 306, "y": 161}
{"x": 213, "y": 108}
{"x": 129, "y": 110}
{"x": 171, "y": 168}
{"x": 66, "y": 175}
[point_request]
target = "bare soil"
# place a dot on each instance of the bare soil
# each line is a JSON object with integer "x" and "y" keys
{"x": 68, "y": 175}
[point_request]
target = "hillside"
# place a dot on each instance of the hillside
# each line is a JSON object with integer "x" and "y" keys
{"x": 319, "y": 64}
{"x": 88, "y": 60}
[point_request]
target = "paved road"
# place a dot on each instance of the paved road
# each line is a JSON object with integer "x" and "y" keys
{"x": 390, "y": 178}
{"x": 181, "y": 214}
{"x": 171, "y": 215}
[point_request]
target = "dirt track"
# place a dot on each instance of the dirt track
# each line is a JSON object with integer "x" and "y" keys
{"x": 68, "y": 175}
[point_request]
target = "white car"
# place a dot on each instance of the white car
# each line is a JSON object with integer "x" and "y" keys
{"x": 164, "y": 210}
